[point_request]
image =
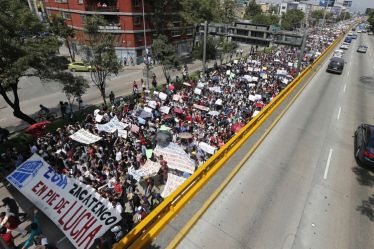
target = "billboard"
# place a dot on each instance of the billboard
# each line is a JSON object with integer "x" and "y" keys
{"x": 76, "y": 208}
{"x": 347, "y": 3}
{"x": 326, "y": 3}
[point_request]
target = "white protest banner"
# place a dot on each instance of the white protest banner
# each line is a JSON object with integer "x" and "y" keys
{"x": 118, "y": 124}
{"x": 281, "y": 71}
{"x": 85, "y": 137}
{"x": 197, "y": 91}
{"x": 200, "y": 85}
{"x": 172, "y": 184}
{"x": 255, "y": 113}
{"x": 134, "y": 173}
{"x": 149, "y": 169}
{"x": 155, "y": 93}
{"x": 162, "y": 96}
{"x": 207, "y": 148}
{"x": 218, "y": 102}
{"x": 122, "y": 133}
{"x": 108, "y": 127}
{"x": 76, "y": 208}
{"x": 176, "y": 157}
{"x": 258, "y": 96}
{"x": 165, "y": 109}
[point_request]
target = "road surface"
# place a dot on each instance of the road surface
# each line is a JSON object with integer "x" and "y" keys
{"x": 302, "y": 187}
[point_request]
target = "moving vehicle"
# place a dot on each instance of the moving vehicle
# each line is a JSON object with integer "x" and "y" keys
{"x": 370, "y": 33}
{"x": 348, "y": 39}
{"x": 362, "y": 49}
{"x": 354, "y": 36}
{"x": 79, "y": 67}
{"x": 344, "y": 46}
{"x": 338, "y": 53}
{"x": 336, "y": 65}
{"x": 364, "y": 145}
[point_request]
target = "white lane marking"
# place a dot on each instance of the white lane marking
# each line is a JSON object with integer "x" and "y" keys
{"x": 58, "y": 242}
{"x": 345, "y": 87}
{"x": 327, "y": 165}
{"x": 340, "y": 109}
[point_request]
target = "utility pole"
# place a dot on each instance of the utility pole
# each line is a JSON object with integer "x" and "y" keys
{"x": 204, "y": 48}
{"x": 146, "y": 62}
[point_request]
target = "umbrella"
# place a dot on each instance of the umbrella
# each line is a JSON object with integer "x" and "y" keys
{"x": 213, "y": 113}
{"x": 259, "y": 105}
{"x": 178, "y": 110}
{"x": 185, "y": 135}
{"x": 167, "y": 117}
{"x": 37, "y": 126}
{"x": 163, "y": 138}
{"x": 236, "y": 127}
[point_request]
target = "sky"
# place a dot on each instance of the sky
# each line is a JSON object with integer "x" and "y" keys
{"x": 357, "y": 5}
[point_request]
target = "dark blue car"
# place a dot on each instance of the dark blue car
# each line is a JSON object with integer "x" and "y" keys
{"x": 364, "y": 145}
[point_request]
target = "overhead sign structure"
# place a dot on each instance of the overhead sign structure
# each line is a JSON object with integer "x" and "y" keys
{"x": 76, "y": 208}
{"x": 326, "y": 3}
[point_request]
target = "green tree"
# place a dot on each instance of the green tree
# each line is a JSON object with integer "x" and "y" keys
{"x": 292, "y": 19}
{"x": 252, "y": 9}
{"x": 61, "y": 29}
{"x": 371, "y": 20}
{"x": 23, "y": 53}
{"x": 198, "y": 11}
{"x": 265, "y": 19}
{"x": 226, "y": 47}
{"x": 211, "y": 50}
{"x": 73, "y": 87}
{"x": 318, "y": 14}
{"x": 103, "y": 60}
{"x": 163, "y": 19}
{"x": 273, "y": 9}
{"x": 165, "y": 54}
{"x": 227, "y": 14}
{"x": 344, "y": 16}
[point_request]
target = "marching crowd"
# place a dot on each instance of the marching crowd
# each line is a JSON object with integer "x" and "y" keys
{"x": 210, "y": 111}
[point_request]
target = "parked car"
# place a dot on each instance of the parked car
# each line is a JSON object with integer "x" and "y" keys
{"x": 362, "y": 49}
{"x": 336, "y": 65}
{"x": 364, "y": 145}
{"x": 79, "y": 67}
{"x": 338, "y": 53}
{"x": 370, "y": 33}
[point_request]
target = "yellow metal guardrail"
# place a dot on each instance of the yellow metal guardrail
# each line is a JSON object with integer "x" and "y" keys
{"x": 152, "y": 224}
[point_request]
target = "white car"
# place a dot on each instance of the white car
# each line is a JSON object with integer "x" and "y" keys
{"x": 344, "y": 46}
{"x": 359, "y": 31}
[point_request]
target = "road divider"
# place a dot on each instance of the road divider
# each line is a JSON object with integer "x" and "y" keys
{"x": 147, "y": 229}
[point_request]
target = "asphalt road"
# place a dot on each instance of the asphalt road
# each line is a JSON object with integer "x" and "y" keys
{"x": 302, "y": 187}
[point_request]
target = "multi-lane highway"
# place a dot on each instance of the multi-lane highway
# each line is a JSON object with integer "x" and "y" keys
{"x": 302, "y": 187}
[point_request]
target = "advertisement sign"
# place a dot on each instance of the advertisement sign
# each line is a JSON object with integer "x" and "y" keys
{"x": 347, "y": 3}
{"x": 76, "y": 208}
{"x": 326, "y": 3}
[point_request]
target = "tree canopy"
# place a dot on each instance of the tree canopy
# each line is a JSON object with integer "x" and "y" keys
{"x": 198, "y": 11}
{"x": 24, "y": 52}
{"x": 165, "y": 54}
{"x": 61, "y": 29}
{"x": 265, "y": 19}
{"x": 211, "y": 50}
{"x": 371, "y": 20}
{"x": 292, "y": 19}
{"x": 252, "y": 9}
{"x": 103, "y": 61}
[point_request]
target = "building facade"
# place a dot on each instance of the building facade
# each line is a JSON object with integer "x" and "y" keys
{"x": 134, "y": 31}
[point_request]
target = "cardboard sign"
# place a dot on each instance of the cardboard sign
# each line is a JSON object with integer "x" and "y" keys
{"x": 76, "y": 208}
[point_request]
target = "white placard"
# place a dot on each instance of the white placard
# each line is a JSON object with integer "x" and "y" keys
{"x": 218, "y": 102}
{"x": 85, "y": 137}
{"x": 162, "y": 96}
{"x": 255, "y": 113}
{"x": 76, "y": 208}
{"x": 152, "y": 104}
{"x": 147, "y": 109}
{"x": 258, "y": 96}
{"x": 172, "y": 184}
{"x": 98, "y": 118}
{"x": 122, "y": 133}
{"x": 251, "y": 97}
{"x": 197, "y": 91}
{"x": 165, "y": 109}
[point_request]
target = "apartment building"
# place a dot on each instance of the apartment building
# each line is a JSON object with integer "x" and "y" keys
{"x": 129, "y": 20}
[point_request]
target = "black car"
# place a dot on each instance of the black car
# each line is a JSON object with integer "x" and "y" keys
{"x": 364, "y": 145}
{"x": 336, "y": 65}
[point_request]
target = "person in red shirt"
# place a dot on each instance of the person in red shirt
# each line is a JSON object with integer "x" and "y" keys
{"x": 7, "y": 237}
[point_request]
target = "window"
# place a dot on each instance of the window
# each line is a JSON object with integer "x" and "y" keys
{"x": 175, "y": 33}
{"x": 135, "y": 3}
{"x": 137, "y": 20}
{"x": 189, "y": 31}
{"x": 139, "y": 37}
{"x": 80, "y": 1}
{"x": 61, "y": 1}
{"x": 66, "y": 15}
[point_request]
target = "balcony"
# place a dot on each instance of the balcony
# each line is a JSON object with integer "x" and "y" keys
{"x": 110, "y": 27}
{"x": 101, "y": 8}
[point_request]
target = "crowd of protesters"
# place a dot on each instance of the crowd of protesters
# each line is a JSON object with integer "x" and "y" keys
{"x": 211, "y": 109}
